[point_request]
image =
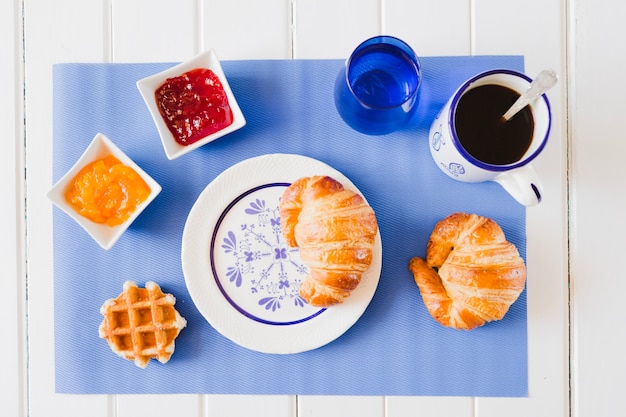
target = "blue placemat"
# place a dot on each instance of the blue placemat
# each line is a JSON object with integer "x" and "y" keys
{"x": 396, "y": 348}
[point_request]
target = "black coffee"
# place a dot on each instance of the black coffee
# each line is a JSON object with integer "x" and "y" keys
{"x": 483, "y": 133}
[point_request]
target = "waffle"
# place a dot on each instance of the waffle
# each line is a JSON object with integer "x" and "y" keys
{"x": 141, "y": 323}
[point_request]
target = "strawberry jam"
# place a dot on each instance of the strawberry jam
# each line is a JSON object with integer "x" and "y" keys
{"x": 194, "y": 105}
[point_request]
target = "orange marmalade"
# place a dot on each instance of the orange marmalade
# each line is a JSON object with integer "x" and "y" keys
{"x": 107, "y": 191}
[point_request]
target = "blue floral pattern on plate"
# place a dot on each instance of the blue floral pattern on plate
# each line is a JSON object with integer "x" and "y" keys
{"x": 254, "y": 268}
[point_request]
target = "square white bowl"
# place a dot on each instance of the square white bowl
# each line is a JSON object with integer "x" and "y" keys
{"x": 148, "y": 86}
{"x": 101, "y": 147}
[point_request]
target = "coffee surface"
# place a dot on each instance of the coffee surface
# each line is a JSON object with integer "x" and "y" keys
{"x": 483, "y": 133}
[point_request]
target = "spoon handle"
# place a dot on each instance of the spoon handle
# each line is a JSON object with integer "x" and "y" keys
{"x": 542, "y": 83}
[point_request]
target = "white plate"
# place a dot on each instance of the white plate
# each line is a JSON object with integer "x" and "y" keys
{"x": 243, "y": 277}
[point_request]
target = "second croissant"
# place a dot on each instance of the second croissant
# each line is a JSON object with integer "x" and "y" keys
{"x": 471, "y": 274}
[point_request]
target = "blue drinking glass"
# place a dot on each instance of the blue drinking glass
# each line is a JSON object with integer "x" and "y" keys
{"x": 377, "y": 91}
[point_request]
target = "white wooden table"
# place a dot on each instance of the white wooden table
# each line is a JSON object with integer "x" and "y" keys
{"x": 575, "y": 342}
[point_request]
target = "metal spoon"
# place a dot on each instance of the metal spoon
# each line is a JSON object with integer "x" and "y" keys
{"x": 542, "y": 83}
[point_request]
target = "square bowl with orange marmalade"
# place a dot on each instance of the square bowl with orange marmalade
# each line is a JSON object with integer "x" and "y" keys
{"x": 105, "y": 191}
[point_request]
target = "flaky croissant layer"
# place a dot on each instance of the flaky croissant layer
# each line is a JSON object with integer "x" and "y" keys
{"x": 471, "y": 274}
{"x": 334, "y": 229}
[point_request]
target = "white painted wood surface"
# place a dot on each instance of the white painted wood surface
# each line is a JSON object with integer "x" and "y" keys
{"x": 578, "y": 38}
{"x": 12, "y": 317}
{"x": 598, "y": 199}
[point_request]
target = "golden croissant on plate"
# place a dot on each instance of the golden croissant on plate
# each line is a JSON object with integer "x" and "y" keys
{"x": 334, "y": 229}
{"x": 471, "y": 275}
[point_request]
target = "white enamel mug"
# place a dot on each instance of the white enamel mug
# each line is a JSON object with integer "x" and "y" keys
{"x": 519, "y": 178}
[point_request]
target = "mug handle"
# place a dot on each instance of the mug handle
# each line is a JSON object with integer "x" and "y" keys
{"x": 522, "y": 184}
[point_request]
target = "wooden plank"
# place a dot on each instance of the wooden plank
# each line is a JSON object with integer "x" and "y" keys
{"x": 12, "y": 381}
{"x": 70, "y": 30}
{"x": 327, "y": 29}
{"x": 346, "y": 24}
{"x": 249, "y": 405}
{"x": 247, "y": 29}
{"x": 415, "y": 23}
{"x": 154, "y": 31}
{"x": 331, "y": 406}
{"x": 506, "y": 28}
{"x": 157, "y": 405}
{"x": 430, "y": 406}
{"x": 440, "y": 28}
{"x": 176, "y": 43}
{"x": 535, "y": 29}
{"x": 598, "y": 198}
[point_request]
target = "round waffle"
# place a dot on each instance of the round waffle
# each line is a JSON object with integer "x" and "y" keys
{"x": 141, "y": 323}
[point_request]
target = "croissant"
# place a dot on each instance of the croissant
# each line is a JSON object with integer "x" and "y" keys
{"x": 471, "y": 275}
{"x": 334, "y": 229}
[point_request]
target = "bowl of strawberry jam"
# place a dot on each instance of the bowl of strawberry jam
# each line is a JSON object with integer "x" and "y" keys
{"x": 191, "y": 104}
{"x": 104, "y": 191}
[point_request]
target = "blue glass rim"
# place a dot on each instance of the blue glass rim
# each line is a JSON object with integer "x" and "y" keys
{"x": 455, "y": 139}
{"x": 406, "y": 50}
